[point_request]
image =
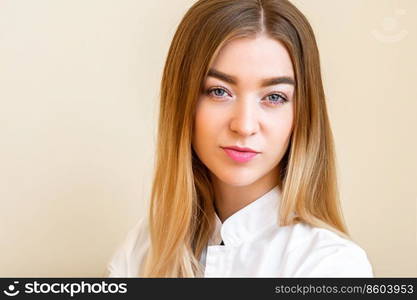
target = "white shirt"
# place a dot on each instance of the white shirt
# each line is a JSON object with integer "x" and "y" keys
{"x": 256, "y": 246}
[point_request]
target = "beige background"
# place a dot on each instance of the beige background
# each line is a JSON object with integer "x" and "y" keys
{"x": 78, "y": 89}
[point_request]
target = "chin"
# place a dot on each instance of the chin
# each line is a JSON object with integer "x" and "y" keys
{"x": 235, "y": 179}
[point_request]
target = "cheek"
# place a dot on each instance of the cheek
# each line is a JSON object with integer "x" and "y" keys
{"x": 279, "y": 131}
{"x": 207, "y": 125}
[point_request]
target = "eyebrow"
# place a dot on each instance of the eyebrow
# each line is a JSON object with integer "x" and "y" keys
{"x": 265, "y": 82}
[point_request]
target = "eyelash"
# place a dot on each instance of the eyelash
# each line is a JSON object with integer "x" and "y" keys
{"x": 284, "y": 99}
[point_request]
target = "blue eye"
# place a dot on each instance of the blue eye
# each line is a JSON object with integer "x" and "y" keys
{"x": 276, "y": 100}
{"x": 210, "y": 92}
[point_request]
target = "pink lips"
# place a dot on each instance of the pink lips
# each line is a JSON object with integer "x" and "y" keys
{"x": 240, "y": 156}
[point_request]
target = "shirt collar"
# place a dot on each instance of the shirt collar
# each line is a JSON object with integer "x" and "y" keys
{"x": 249, "y": 221}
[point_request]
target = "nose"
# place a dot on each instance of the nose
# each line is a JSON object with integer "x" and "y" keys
{"x": 244, "y": 119}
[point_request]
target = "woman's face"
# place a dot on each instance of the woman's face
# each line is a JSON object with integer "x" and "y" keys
{"x": 246, "y": 101}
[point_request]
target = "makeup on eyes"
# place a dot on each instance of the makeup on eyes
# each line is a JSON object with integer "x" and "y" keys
{"x": 281, "y": 97}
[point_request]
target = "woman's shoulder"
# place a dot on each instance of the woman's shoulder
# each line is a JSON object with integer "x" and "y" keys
{"x": 129, "y": 255}
{"x": 320, "y": 252}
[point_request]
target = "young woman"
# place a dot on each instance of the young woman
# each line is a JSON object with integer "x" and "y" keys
{"x": 245, "y": 179}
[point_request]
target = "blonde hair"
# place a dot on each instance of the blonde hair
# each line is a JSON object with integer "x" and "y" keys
{"x": 181, "y": 212}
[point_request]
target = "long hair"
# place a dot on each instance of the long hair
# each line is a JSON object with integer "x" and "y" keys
{"x": 181, "y": 212}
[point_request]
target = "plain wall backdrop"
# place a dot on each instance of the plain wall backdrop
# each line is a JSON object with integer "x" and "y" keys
{"x": 79, "y": 86}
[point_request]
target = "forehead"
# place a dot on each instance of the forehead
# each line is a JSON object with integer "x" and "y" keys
{"x": 254, "y": 58}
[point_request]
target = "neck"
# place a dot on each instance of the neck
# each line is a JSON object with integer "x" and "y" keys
{"x": 231, "y": 198}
